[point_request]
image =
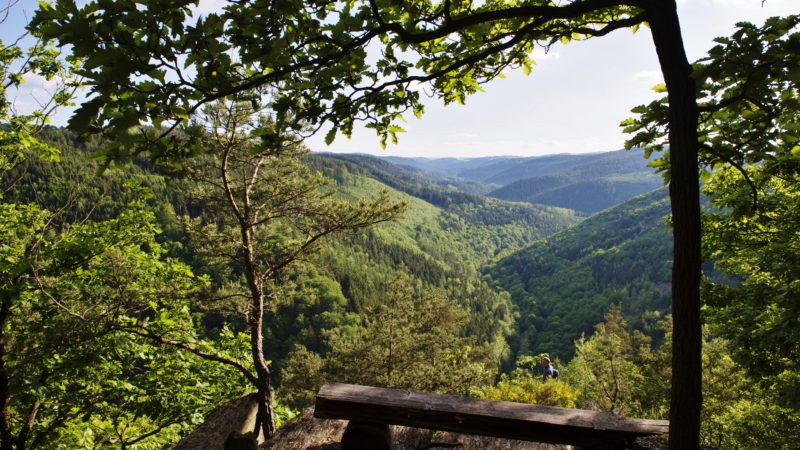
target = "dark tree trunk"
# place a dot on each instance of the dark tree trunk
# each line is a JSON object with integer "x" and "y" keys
{"x": 27, "y": 426}
{"x": 686, "y": 397}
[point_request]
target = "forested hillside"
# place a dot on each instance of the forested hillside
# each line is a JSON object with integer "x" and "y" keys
{"x": 442, "y": 241}
{"x": 585, "y": 183}
{"x": 603, "y": 181}
{"x": 565, "y": 284}
{"x": 561, "y": 287}
{"x": 440, "y": 247}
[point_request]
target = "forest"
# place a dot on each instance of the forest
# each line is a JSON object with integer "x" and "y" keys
{"x": 177, "y": 245}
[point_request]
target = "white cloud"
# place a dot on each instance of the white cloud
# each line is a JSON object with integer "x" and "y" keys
{"x": 539, "y": 55}
{"x": 648, "y": 77}
{"x": 209, "y": 6}
{"x": 37, "y": 82}
{"x": 32, "y": 93}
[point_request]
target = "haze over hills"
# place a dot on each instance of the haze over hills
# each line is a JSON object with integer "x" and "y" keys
{"x": 586, "y": 183}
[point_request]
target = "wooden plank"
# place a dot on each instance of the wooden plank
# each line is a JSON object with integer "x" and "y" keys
{"x": 484, "y": 417}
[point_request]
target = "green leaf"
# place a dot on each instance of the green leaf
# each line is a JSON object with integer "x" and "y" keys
{"x": 330, "y": 135}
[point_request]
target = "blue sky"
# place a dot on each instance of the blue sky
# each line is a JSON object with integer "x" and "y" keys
{"x": 572, "y": 102}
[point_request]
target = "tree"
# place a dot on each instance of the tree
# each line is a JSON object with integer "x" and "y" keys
{"x": 608, "y": 368}
{"x": 316, "y": 53}
{"x": 264, "y": 211}
{"x": 748, "y": 131}
{"x": 615, "y": 368}
{"x": 67, "y": 284}
{"x": 410, "y": 341}
{"x": 107, "y": 382}
{"x": 18, "y": 133}
{"x": 67, "y": 366}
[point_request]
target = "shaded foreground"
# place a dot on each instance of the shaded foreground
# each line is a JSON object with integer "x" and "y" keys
{"x": 501, "y": 419}
{"x": 305, "y": 432}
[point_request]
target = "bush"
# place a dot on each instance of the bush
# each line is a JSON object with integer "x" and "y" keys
{"x": 524, "y": 388}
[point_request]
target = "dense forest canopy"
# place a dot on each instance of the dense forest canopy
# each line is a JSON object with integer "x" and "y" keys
{"x": 335, "y": 316}
{"x": 183, "y": 248}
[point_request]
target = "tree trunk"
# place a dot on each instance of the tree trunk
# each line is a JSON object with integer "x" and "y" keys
{"x": 686, "y": 395}
{"x": 266, "y": 417}
{"x": 27, "y": 426}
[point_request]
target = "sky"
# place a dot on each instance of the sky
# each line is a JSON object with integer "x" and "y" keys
{"x": 572, "y": 102}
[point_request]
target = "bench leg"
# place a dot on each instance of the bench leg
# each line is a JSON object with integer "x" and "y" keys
{"x": 366, "y": 436}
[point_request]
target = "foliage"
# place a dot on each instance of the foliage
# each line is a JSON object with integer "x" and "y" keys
{"x": 263, "y": 212}
{"x": 411, "y": 341}
{"x": 750, "y": 151}
{"x": 756, "y": 423}
{"x": 316, "y": 53}
{"x": 609, "y": 368}
{"x": 759, "y": 249}
{"x": 68, "y": 360}
{"x": 18, "y": 131}
{"x": 524, "y": 386}
{"x": 564, "y": 284}
{"x": 616, "y": 369}
{"x": 747, "y": 96}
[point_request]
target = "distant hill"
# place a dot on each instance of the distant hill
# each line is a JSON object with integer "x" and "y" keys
{"x": 473, "y": 169}
{"x": 474, "y": 208}
{"x": 586, "y": 183}
{"x": 504, "y": 170}
{"x": 593, "y": 185}
{"x": 534, "y": 167}
{"x": 564, "y": 284}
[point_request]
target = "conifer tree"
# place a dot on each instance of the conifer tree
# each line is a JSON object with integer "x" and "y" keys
{"x": 263, "y": 212}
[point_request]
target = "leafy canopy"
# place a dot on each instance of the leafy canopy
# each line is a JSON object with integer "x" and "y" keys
{"x": 320, "y": 63}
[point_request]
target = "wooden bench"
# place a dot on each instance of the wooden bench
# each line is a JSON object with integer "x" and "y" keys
{"x": 371, "y": 409}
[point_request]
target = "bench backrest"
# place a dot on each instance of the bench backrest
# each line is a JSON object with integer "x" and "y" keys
{"x": 484, "y": 417}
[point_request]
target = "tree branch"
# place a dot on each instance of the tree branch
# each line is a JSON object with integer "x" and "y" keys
{"x": 145, "y": 333}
